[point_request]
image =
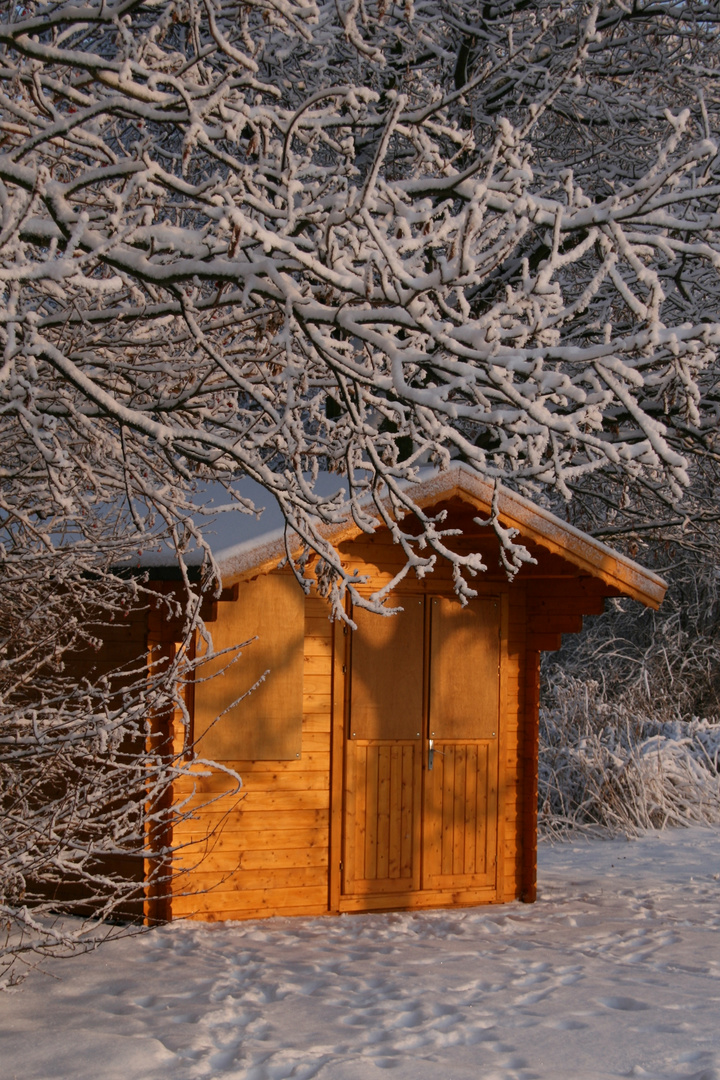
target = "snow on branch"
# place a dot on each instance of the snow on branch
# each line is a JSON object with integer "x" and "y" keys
{"x": 269, "y": 238}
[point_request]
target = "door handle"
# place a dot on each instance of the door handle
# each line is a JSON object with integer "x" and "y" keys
{"x": 431, "y": 754}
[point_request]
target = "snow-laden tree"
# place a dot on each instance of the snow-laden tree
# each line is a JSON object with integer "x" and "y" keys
{"x": 630, "y": 713}
{"x": 280, "y": 236}
{"x": 271, "y": 237}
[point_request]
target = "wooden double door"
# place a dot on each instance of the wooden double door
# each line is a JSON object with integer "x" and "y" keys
{"x": 422, "y": 731}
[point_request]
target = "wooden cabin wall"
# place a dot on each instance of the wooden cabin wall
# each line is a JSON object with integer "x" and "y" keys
{"x": 269, "y": 851}
{"x": 265, "y": 852}
{"x": 122, "y": 645}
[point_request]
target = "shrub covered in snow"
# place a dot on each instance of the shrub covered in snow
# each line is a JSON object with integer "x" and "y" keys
{"x": 630, "y": 716}
{"x": 612, "y": 765}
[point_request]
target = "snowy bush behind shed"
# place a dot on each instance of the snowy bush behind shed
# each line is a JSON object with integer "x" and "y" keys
{"x": 630, "y": 715}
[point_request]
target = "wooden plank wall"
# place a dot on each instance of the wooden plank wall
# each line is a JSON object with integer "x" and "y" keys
{"x": 123, "y": 646}
{"x": 513, "y": 734}
{"x": 267, "y": 850}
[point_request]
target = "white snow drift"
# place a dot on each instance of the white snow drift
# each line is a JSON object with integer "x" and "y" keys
{"x": 614, "y": 972}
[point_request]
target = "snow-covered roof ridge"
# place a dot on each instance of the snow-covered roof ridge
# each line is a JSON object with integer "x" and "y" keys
{"x": 260, "y": 554}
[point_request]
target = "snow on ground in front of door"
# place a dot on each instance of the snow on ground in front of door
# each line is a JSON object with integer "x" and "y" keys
{"x": 615, "y": 972}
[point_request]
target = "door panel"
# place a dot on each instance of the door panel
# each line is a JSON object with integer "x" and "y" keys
{"x": 461, "y": 803}
{"x": 464, "y": 668}
{"x": 461, "y": 816}
{"x": 386, "y": 672}
{"x": 383, "y": 769}
{"x": 383, "y": 819}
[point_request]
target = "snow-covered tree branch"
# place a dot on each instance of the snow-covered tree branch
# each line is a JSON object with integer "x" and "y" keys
{"x": 270, "y": 238}
{"x": 89, "y": 753}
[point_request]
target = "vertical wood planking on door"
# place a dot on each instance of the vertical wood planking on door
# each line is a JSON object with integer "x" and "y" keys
{"x": 486, "y": 798}
{"x": 354, "y": 799}
{"x": 471, "y": 812}
{"x": 447, "y": 792}
{"x": 407, "y": 814}
{"x": 383, "y": 779}
{"x": 459, "y": 814}
{"x": 371, "y": 812}
{"x": 394, "y": 842}
{"x": 461, "y": 823}
{"x": 383, "y": 811}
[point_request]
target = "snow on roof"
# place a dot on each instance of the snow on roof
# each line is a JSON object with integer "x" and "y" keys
{"x": 228, "y": 530}
{"x": 246, "y": 543}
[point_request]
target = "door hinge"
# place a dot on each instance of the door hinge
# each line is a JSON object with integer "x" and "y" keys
{"x": 341, "y": 866}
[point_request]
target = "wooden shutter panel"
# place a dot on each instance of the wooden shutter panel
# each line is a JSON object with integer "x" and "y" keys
{"x": 266, "y": 725}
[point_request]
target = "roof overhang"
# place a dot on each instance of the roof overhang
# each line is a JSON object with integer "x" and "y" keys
{"x": 623, "y": 576}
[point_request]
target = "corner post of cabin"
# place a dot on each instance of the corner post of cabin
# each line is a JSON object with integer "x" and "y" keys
{"x": 338, "y": 708}
{"x": 507, "y": 749}
{"x": 165, "y": 737}
{"x": 158, "y": 838}
{"x": 529, "y": 751}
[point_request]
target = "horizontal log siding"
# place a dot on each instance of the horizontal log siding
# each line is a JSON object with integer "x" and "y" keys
{"x": 267, "y": 850}
{"x": 513, "y": 733}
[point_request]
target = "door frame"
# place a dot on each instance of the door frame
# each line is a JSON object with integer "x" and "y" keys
{"x": 340, "y": 718}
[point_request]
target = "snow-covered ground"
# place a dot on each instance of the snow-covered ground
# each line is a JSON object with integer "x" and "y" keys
{"x": 614, "y": 972}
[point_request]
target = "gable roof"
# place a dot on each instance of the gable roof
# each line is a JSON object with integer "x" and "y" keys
{"x": 261, "y": 553}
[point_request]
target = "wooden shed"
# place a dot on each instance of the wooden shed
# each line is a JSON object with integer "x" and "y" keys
{"x": 394, "y": 766}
